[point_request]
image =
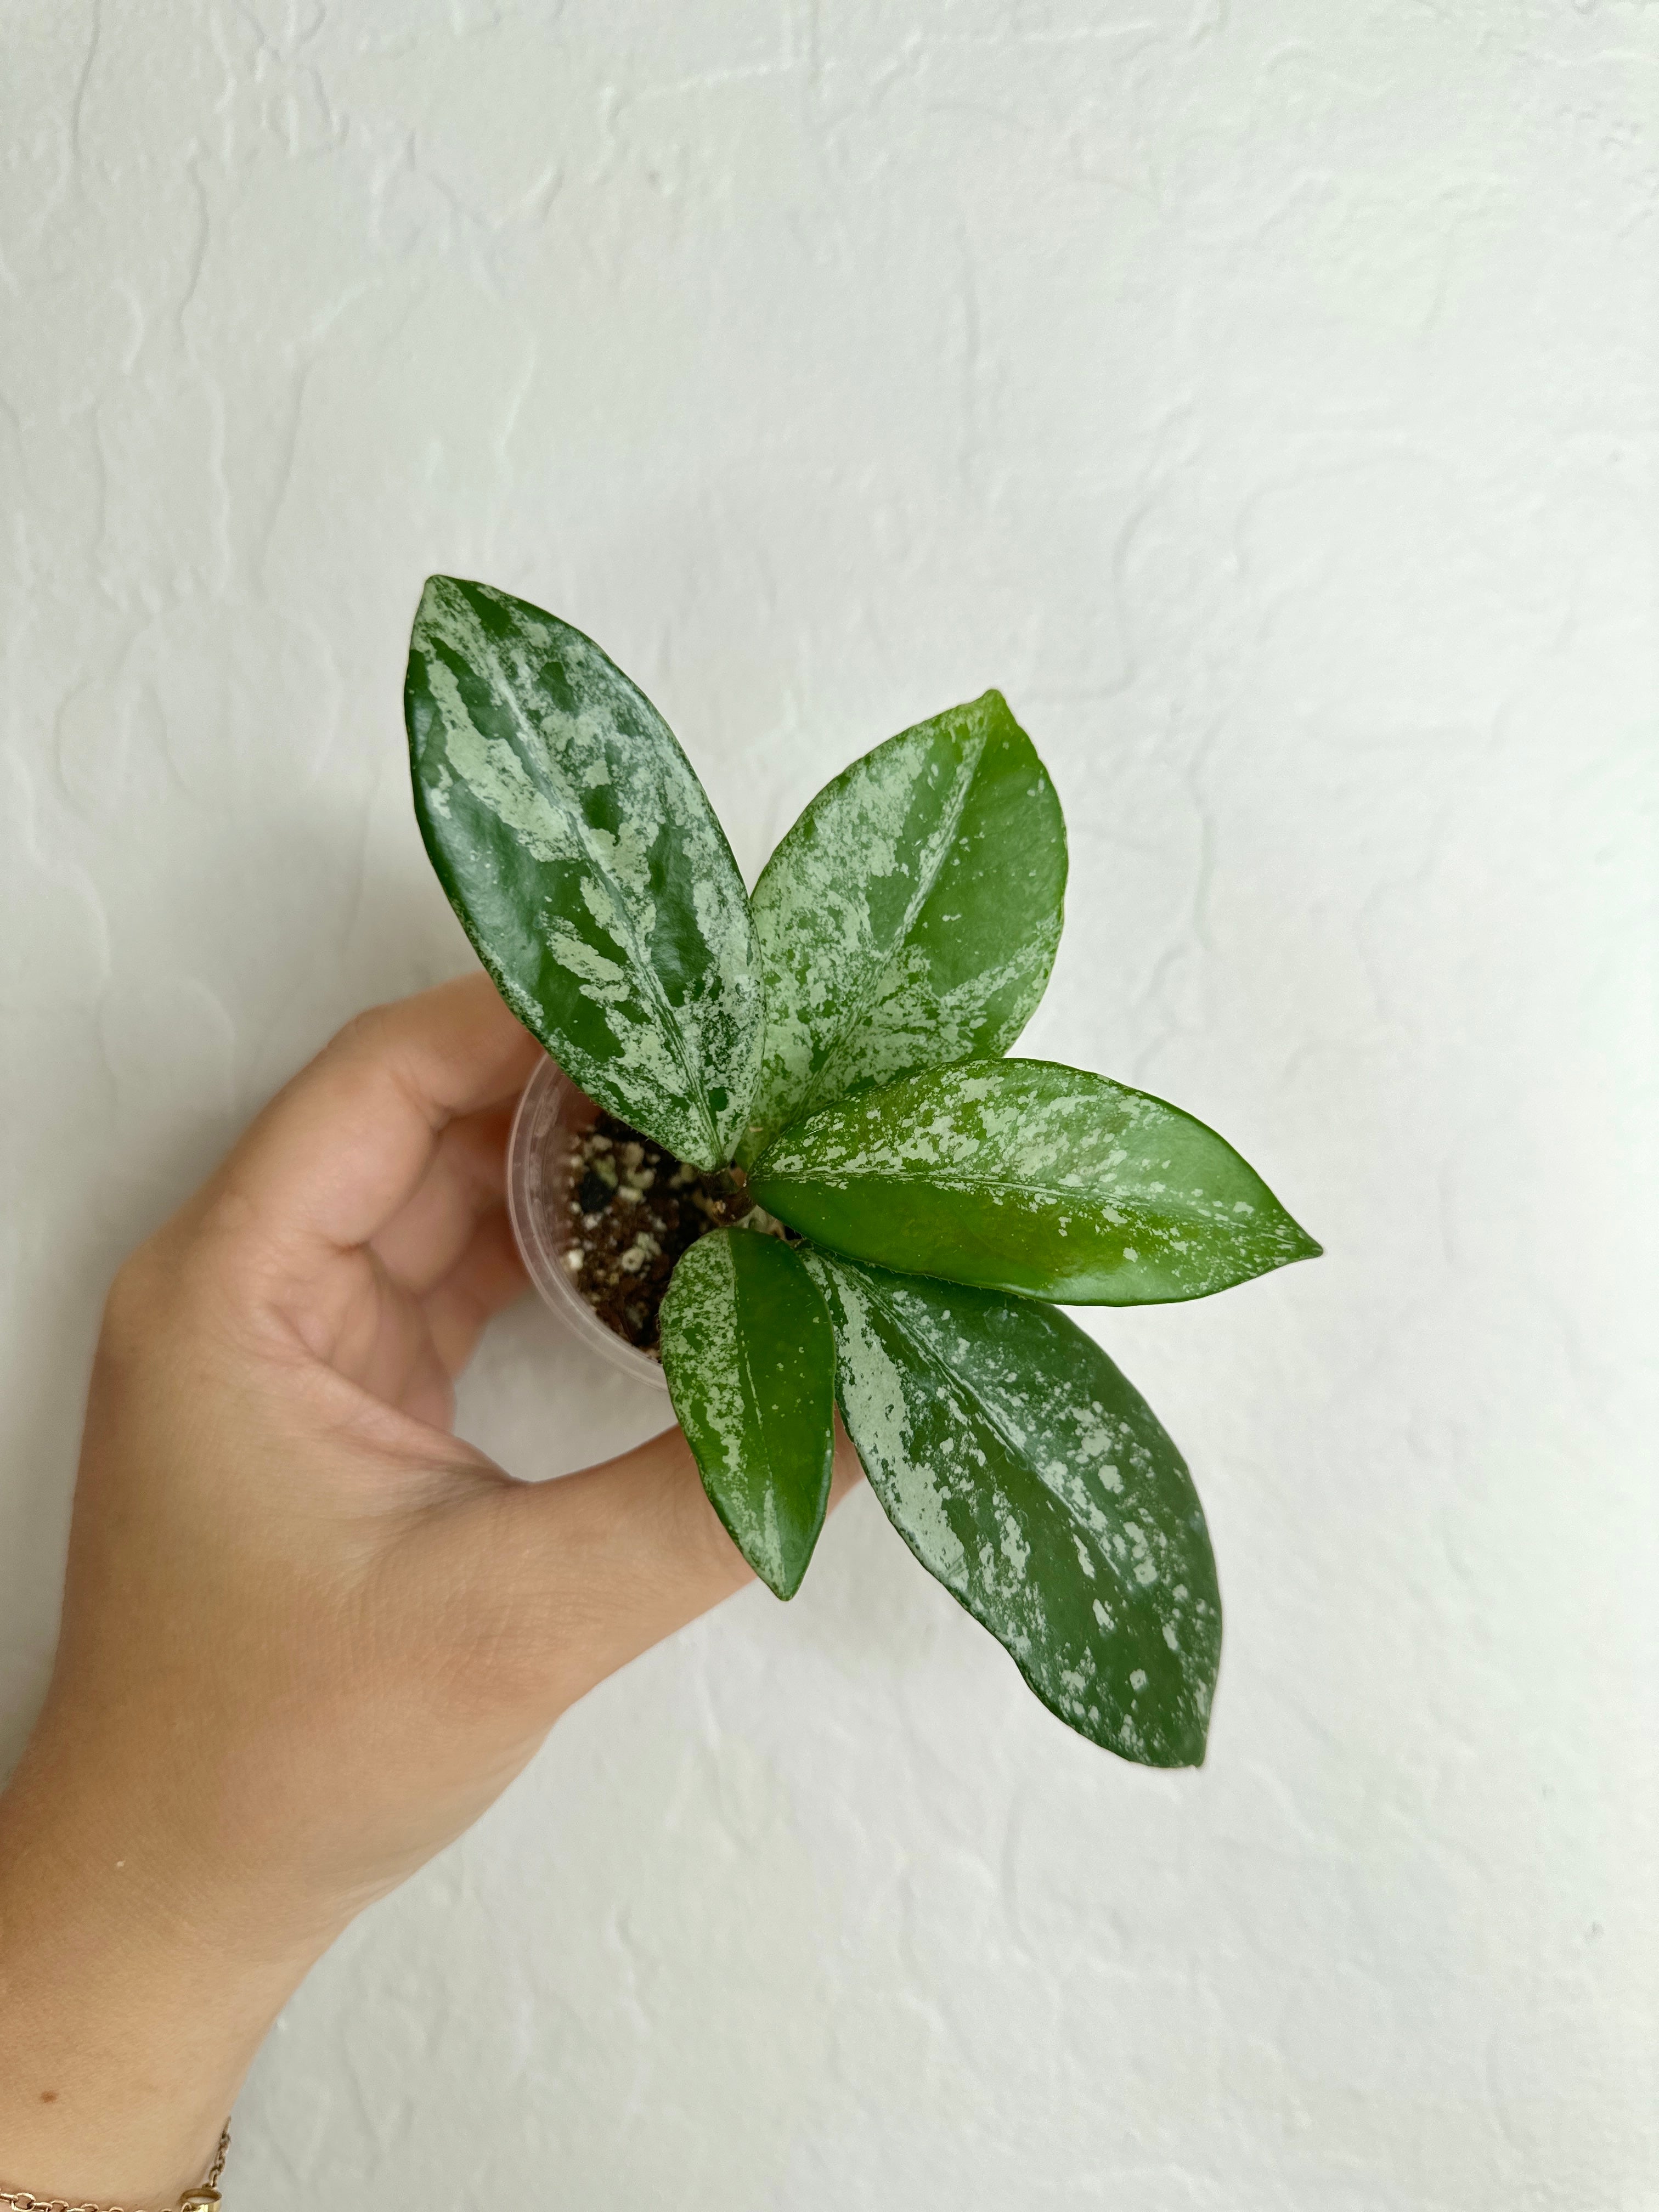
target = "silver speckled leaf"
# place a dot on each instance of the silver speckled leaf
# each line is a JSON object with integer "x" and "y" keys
{"x": 910, "y": 916}
{"x": 1035, "y": 1482}
{"x": 1025, "y": 1176}
{"x": 587, "y": 865}
{"x": 750, "y": 1361}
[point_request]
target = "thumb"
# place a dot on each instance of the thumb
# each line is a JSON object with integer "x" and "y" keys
{"x": 611, "y": 1561}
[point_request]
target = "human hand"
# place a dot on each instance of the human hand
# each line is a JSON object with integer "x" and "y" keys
{"x": 308, "y": 1636}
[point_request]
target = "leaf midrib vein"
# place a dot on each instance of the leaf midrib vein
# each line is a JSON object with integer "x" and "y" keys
{"x": 554, "y": 787}
{"x": 1141, "y": 1208}
{"x": 857, "y": 1009}
{"x": 993, "y": 1421}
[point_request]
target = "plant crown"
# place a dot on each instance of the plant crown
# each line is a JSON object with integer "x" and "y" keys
{"x": 838, "y": 1038}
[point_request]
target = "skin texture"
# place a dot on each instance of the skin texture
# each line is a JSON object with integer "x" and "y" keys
{"x": 308, "y": 1635}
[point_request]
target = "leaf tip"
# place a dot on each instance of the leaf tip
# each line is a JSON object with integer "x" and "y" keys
{"x": 992, "y": 706}
{"x": 1184, "y": 1752}
{"x": 430, "y": 590}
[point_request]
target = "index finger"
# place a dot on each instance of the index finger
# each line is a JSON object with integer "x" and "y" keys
{"x": 344, "y": 1145}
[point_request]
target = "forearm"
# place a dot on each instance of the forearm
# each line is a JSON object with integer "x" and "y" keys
{"x": 126, "y": 2023}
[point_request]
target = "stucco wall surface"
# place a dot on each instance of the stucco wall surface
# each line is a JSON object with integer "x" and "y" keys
{"x": 1262, "y": 394}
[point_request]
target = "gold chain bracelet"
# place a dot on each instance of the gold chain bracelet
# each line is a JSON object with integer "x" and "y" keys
{"x": 193, "y": 2200}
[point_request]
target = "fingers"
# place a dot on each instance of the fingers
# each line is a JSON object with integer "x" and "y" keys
{"x": 346, "y": 1145}
{"x": 380, "y": 1338}
{"x": 464, "y": 1181}
{"x": 489, "y": 1275}
{"x": 407, "y": 1349}
{"x": 622, "y": 1555}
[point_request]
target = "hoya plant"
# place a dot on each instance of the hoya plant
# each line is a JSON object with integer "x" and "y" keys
{"x": 898, "y": 1211}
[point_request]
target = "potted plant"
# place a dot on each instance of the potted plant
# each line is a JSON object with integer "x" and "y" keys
{"x": 823, "y": 1063}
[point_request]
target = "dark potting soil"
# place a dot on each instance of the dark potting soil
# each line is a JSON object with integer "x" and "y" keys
{"x": 634, "y": 1209}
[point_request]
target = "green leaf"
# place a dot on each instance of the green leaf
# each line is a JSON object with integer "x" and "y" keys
{"x": 911, "y": 917}
{"x": 750, "y": 1362}
{"x": 1032, "y": 1479}
{"x": 1033, "y": 1178}
{"x": 587, "y": 865}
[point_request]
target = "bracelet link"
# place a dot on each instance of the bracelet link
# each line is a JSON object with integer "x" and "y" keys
{"x": 202, "y": 2198}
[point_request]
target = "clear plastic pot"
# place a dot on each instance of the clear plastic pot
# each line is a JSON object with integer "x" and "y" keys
{"x": 538, "y": 1200}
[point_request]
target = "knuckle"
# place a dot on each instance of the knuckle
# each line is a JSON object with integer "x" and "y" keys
{"x": 365, "y": 1032}
{"x": 170, "y": 1288}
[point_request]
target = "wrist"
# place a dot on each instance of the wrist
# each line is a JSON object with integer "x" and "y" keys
{"x": 127, "y": 2022}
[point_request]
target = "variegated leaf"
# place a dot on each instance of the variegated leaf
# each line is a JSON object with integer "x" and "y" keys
{"x": 587, "y": 865}
{"x": 750, "y": 1362}
{"x": 910, "y": 916}
{"x": 1034, "y": 1178}
{"x": 1030, "y": 1477}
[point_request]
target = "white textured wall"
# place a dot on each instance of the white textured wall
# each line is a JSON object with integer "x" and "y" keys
{"x": 1262, "y": 392}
